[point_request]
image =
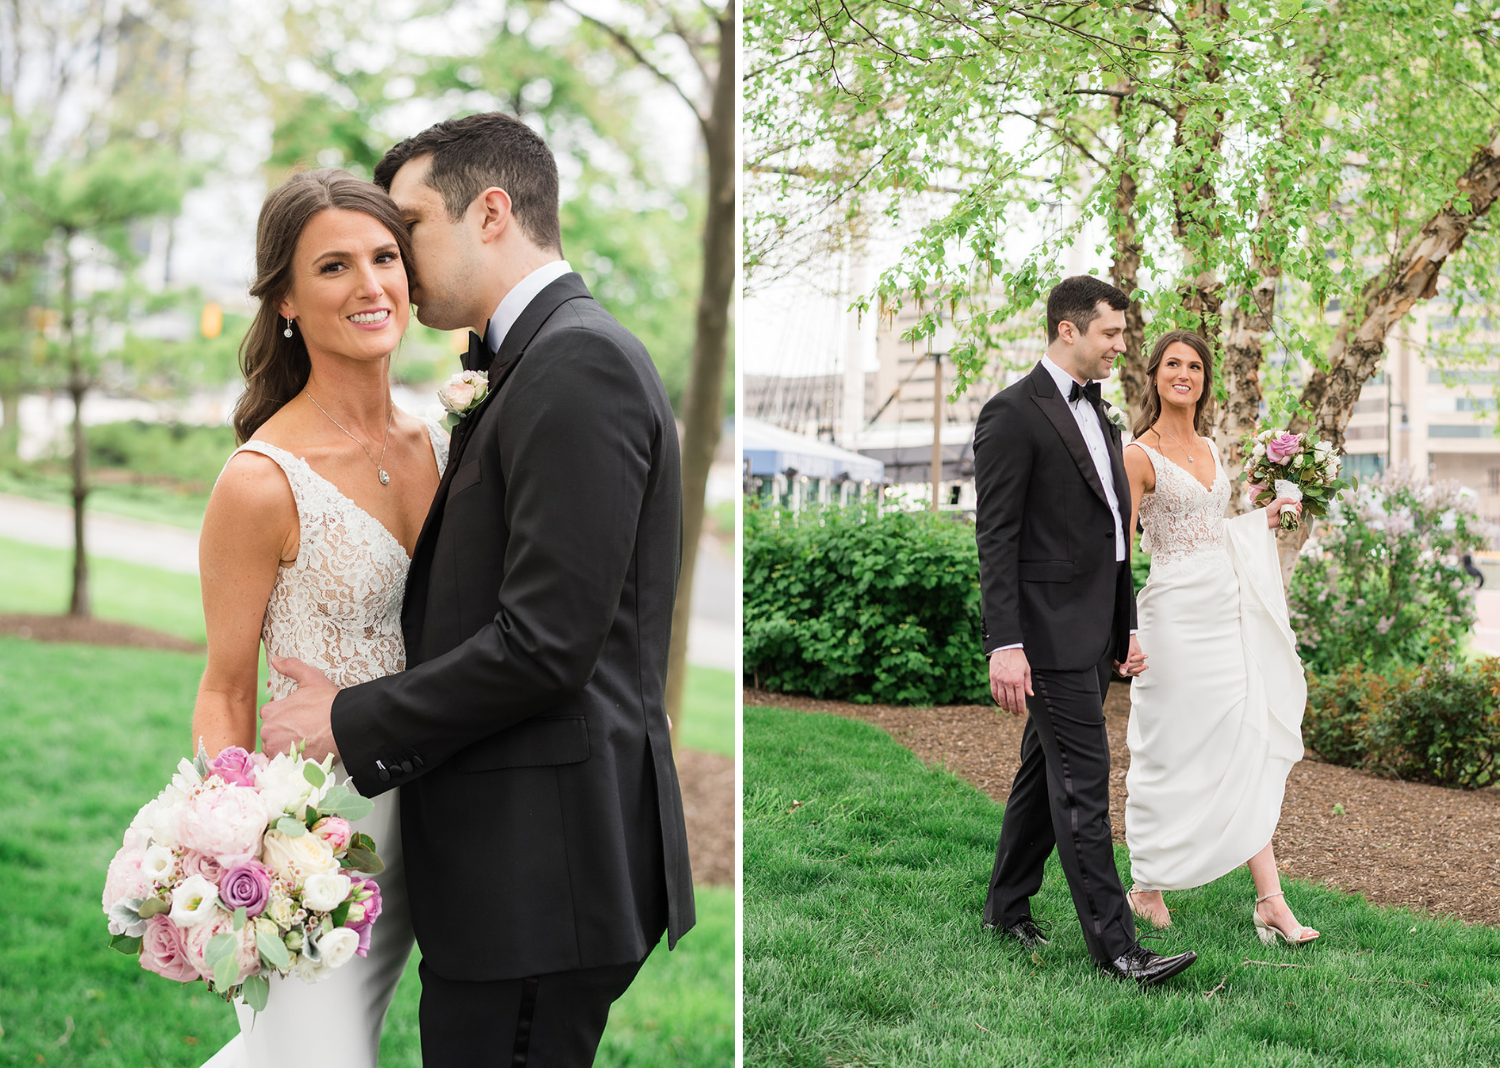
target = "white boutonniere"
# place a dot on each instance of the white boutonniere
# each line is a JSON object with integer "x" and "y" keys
{"x": 462, "y": 393}
{"x": 1115, "y": 417}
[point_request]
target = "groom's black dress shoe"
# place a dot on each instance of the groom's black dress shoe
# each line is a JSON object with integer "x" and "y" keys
{"x": 1026, "y": 931}
{"x": 1147, "y": 968}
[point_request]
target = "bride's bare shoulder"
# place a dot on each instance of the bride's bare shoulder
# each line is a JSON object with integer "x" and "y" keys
{"x": 252, "y": 504}
{"x": 1139, "y": 468}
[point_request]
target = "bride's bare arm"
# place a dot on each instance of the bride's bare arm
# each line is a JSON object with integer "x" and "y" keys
{"x": 249, "y": 530}
{"x": 1142, "y": 478}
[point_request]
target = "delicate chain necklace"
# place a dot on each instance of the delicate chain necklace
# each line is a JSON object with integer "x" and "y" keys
{"x": 385, "y": 479}
{"x": 1179, "y": 444}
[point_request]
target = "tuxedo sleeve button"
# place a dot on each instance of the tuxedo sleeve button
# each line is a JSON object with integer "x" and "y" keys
{"x": 406, "y": 766}
{"x": 385, "y": 776}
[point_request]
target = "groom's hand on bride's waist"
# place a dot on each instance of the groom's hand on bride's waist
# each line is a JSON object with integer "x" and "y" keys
{"x": 303, "y": 714}
{"x": 1010, "y": 679}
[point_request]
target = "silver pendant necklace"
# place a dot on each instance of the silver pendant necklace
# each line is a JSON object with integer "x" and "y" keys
{"x": 385, "y": 479}
{"x": 1179, "y": 444}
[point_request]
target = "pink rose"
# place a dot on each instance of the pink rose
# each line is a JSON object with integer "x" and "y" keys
{"x": 1283, "y": 447}
{"x": 126, "y": 880}
{"x": 335, "y": 831}
{"x": 234, "y": 766}
{"x": 196, "y": 938}
{"x": 371, "y": 907}
{"x": 195, "y": 863}
{"x": 463, "y": 390}
{"x": 164, "y": 952}
{"x": 222, "y": 822}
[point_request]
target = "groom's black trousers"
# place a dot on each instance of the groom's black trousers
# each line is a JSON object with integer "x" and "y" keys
{"x": 545, "y": 1021}
{"x": 1061, "y": 798}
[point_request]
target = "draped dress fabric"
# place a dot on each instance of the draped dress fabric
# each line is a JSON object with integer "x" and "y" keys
{"x": 1215, "y": 720}
{"x": 338, "y": 609}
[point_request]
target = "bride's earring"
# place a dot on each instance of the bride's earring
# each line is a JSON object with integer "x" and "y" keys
{"x": 288, "y": 331}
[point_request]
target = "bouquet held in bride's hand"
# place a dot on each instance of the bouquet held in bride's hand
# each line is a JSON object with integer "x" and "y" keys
{"x": 242, "y": 867}
{"x": 1282, "y": 464}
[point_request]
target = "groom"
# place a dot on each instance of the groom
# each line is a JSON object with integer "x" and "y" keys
{"x": 540, "y": 813}
{"x": 1052, "y": 523}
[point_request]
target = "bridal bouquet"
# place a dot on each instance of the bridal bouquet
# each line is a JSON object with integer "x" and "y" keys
{"x": 1299, "y": 466}
{"x": 241, "y": 867}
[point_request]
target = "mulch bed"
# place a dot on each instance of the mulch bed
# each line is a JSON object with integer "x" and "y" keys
{"x": 707, "y": 779}
{"x": 1397, "y": 843}
{"x": 92, "y": 632}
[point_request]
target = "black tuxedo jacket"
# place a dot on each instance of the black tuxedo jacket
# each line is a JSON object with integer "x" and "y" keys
{"x": 541, "y": 816}
{"x": 1047, "y": 570}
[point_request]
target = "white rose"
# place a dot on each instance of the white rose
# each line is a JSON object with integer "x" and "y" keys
{"x": 282, "y": 910}
{"x": 159, "y": 864}
{"x": 324, "y": 893}
{"x": 285, "y": 788}
{"x": 294, "y": 859}
{"x": 187, "y": 776}
{"x": 463, "y": 391}
{"x": 338, "y": 946}
{"x": 194, "y": 901}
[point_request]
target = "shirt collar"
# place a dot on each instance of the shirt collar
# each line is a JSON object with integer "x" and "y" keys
{"x": 517, "y": 299}
{"x": 1062, "y": 378}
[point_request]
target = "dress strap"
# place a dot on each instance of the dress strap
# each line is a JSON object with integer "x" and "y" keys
{"x": 299, "y": 476}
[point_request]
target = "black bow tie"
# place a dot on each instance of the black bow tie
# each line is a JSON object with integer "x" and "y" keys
{"x": 479, "y": 357}
{"x": 1091, "y": 391}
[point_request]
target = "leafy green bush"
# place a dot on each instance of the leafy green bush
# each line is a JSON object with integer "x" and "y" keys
{"x": 1381, "y": 579}
{"x": 1437, "y": 723}
{"x": 192, "y": 455}
{"x": 851, "y": 605}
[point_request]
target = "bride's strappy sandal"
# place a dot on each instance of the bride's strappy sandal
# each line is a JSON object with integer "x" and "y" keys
{"x": 1130, "y": 900}
{"x": 1269, "y": 932}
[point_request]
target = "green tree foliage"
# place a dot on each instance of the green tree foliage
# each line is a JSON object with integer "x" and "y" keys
{"x": 850, "y": 605}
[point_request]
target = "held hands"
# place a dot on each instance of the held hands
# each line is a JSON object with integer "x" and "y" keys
{"x": 1274, "y": 509}
{"x": 303, "y": 715}
{"x": 1135, "y": 660}
{"x": 1010, "y": 680}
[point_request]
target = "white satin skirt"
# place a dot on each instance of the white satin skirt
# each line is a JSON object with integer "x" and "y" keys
{"x": 1215, "y": 721}
{"x": 336, "y": 1023}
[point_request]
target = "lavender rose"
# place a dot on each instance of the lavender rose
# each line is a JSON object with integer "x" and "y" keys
{"x": 234, "y": 766}
{"x": 366, "y": 908}
{"x": 1283, "y": 447}
{"x": 247, "y": 886}
{"x": 164, "y": 952}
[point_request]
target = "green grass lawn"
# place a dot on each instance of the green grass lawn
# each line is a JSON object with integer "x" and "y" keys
{"x": 865, "y": 874}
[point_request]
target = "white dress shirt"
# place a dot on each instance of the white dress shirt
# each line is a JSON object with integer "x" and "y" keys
{"x": 525, "y": 291}
{"x": 1093, "y": 437}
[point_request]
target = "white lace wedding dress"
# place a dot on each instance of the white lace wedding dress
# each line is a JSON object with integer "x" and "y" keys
{"x": 1215, "y": 720}
{"x": 337, "y": 608}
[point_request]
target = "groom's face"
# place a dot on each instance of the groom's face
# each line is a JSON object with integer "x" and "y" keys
{"x": 1095, "y": 350}
{"x": 446, "y": 262}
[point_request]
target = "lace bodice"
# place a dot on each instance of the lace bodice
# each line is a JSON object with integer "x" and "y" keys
{"x": 338, "y": 606}
{"x": 1180, "y": 518}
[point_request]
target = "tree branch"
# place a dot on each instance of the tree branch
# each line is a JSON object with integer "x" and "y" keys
{"x": 624, "y": 41}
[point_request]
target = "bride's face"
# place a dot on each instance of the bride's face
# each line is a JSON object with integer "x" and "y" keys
{"x": 1179, "y": 377}
{"x": 348, "y": 292}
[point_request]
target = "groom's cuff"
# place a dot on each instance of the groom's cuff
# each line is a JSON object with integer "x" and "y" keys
{"x": 1001, "y": 648}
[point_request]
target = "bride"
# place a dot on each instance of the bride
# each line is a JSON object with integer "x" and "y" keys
{"x": 306, "y": 543}
{"x": 1215, "y": 726}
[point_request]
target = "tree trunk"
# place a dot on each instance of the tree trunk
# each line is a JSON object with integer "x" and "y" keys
{"x": 1239, "y": 369}
{"x": 1387, "y": 297}
{"x": 77, "y": 387}
{"x": 10, "y": 423}
{"x": 1195, "y": 196}
{"x": 703, "y": 398}
{"x": 1124, "y": 272}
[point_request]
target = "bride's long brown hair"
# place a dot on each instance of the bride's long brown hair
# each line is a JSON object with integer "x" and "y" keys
{"x": 1151, "y": 402}
{"x": 276, "y": 366}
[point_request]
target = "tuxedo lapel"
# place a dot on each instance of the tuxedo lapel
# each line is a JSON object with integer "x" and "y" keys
{"x": 1056, "y": 409}
{"x": 512, "y": 348}
{"x": 1117, "y": 468}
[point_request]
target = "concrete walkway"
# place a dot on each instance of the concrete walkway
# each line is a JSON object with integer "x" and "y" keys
{"x": 1486, "y": 635}
{"x": 712, "y": 638}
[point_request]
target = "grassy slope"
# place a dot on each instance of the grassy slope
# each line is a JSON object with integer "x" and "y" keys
{"x": 862, "y": 942}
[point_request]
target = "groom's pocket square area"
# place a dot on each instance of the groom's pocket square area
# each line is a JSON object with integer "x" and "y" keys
{"x": 537, "y": 743}
{"x": 1046, "y": 570}
{"x": 464, "y": 477}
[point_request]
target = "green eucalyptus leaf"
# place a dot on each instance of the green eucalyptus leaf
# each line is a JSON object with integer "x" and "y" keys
{"x": 240, "y": 916}
{"x": 291, "y": 826}
{"x": 355, "y": 807}
{"x": 126, "y": 943}
{"x": 257, "y": 992}
{"x": 272, "y": 950}
{"x": 153, "y": 906}
{"x": 314, "y": 774}
{"x": 366, "y": 861}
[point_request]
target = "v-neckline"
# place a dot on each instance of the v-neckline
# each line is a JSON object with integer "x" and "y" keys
{"x": 431, "y": 444}
{"x": 1212, "y": 454}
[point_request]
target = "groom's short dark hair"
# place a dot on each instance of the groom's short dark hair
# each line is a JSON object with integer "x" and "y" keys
{"x": 471, "y": 154}
{"x": 1076, "y": 300}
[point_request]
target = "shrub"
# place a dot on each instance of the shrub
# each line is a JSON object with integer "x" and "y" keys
{"x": 1381, "y": 579}
{"x": 851, "y": 605}
{"x": 192, "y": 455}
{"x": 1339, "y": 707}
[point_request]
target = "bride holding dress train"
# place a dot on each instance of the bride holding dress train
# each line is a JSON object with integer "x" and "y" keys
{"x": 1215, "y": 725}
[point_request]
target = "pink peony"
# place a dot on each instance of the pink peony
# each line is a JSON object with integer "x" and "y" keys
{"x": 164, "y": 952}
{"x": 234, "y": 766}
{"x": 1283, "y": 447}
{"x": 195, "y": 863}
{"x": 335, "y": 831}
{"x": 126, "y": 880}
{"x": 371, "y": 906}
{"x": 223, "y": 822}
{"x": 196, "y": 939}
